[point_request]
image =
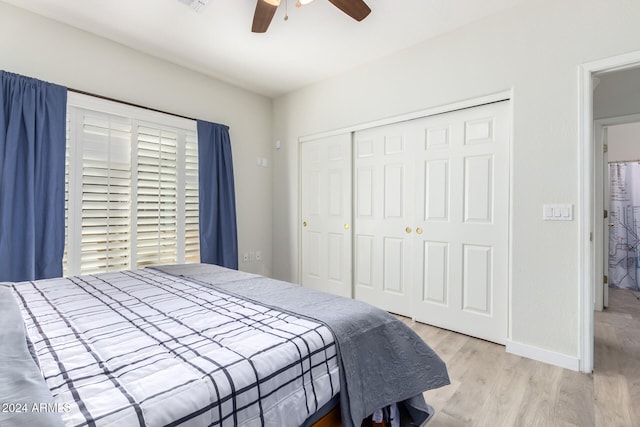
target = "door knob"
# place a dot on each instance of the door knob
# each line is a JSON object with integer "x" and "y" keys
{"x": 408, "y": 230}
{"x": 304, "y": 224}
{"x": 611, "y": 224}
{"x": 419, "y": 230}
{"x": 346, "y": 226}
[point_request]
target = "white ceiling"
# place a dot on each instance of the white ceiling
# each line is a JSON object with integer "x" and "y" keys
{"x": 316, "y": 42}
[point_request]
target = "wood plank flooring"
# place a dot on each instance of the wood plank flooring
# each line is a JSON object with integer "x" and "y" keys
{"x": 490, "y": 387}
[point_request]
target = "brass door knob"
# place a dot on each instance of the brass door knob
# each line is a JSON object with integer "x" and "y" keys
{"x": 304, "y": 224}
{"x": 408, "y": 230}
{"x": 346, "y": 226}
{"x": 419, "y": 230}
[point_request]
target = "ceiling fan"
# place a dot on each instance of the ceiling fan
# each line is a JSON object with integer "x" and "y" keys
{"x": 265, "y": 9}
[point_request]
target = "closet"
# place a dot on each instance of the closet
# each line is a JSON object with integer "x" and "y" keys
{"x": 426, "y": 218}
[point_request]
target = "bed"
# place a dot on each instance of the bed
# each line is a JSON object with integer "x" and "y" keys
{"x": 201, "y": 345}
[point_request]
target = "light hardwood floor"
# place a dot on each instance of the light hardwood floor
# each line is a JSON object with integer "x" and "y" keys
{"x": 490, "y": 387}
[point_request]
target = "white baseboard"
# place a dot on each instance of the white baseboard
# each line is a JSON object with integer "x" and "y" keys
{"x": 541, "y": 355}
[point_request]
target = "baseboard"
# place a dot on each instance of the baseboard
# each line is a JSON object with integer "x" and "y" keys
{"x": 541, "y": 355}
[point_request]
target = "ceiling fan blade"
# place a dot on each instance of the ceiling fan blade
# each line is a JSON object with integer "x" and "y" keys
{"x": 262, "y": 16}
{"x": 357, "y": 9}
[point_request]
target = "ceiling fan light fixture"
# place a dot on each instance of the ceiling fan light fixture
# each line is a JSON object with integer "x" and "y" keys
{"x": 266, "y": 9}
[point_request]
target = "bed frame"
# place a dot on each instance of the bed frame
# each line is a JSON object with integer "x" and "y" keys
{"x": 332, "y": 419}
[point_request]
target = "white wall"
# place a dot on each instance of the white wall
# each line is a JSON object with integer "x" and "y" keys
{"x": 47, "y": 50}
{"x": 624, "y": 142}
{"x": 534, "y": 49}
{"x": 617, "y": 94}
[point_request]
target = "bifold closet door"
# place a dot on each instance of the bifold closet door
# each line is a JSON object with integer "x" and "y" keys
{"x": 326, "y": 214}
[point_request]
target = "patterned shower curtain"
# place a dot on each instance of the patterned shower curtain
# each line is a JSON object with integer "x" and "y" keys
{"x": 624, "y": 215}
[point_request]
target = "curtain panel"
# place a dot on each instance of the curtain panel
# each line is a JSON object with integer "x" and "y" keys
{"x": 218, "y": 229}
{"x": 32, "y": 168}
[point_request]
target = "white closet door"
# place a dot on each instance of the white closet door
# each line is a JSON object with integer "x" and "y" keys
{"x": 462, "y": 206}
{"x": 383, "y": 211}
{"x": 326, "y": 214}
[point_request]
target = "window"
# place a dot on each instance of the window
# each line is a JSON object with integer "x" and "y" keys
{"x": 132, "y": 188}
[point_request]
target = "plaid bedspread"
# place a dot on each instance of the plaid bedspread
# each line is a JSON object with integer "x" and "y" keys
{"x": 147, "y": 348}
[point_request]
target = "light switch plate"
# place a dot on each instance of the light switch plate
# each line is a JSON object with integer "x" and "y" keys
{"x": 557, "y": 212}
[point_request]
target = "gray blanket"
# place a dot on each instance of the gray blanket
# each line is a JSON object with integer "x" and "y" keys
{"x": 383, "y": 361}
{"x": 24, "y": 396}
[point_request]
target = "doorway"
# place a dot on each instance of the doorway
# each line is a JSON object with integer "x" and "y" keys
{"x": 591, "y": 218}
{"x": 622, "y": 259}
{"x": 617, "y": 242}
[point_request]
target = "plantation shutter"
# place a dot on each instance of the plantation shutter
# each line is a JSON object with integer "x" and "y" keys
{"x": 106, "y": 193}
{"x": 67, "y": 181}
{"x": 192, "y": 230}
{"x": 157, "y": 193}
{"x": 132, "y": 193}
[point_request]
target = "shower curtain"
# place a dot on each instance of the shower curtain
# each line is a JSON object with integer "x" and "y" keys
{"x": 624, "y": 217}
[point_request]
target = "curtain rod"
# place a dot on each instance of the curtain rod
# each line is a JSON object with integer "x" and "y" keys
{"x": 82, "y": 92}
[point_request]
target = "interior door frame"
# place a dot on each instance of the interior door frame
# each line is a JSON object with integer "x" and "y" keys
{"x": 599, "y": 175}
{"x": 590, "y": 219}
{"x": 603, "y": 134}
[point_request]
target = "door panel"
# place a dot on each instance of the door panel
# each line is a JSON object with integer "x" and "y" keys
{"x": 365, "y": 265}
{"x": 335, "y": 257}
{"x": 436, "y": 186}
{"x": 394, "y": 192}
{"x": 383, "y": 173}
{"x": 326, "y": 214}
{"x": 311, "y": 262}
{"x": 393, "y": 263}
{"x": 364, "y": 190}
{"x": 479, "y": 131}
{"x": 477, "y": 281}
{"x": 436, "y": 267}
{"x": 473, "y": 271}
{"x": 478, "y": 188}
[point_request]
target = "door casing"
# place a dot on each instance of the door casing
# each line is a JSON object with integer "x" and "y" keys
{"x": 590, "y": 218}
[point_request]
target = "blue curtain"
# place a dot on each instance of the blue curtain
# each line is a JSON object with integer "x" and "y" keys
{"x": 32, "y": 162}
{"x": 218, "y": 230}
